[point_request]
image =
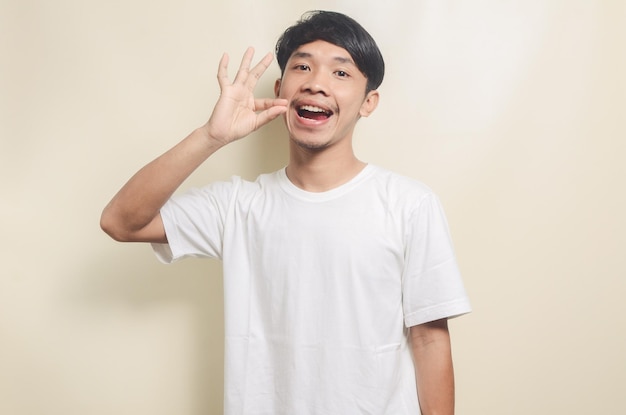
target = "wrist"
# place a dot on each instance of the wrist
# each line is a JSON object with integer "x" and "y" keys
{"x": 204, "y": 133}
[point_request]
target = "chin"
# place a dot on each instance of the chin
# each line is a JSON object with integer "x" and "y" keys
{"x": 310, "y": 144}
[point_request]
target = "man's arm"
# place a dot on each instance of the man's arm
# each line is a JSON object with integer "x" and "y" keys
{"x": 430, "y": 343}
{"x": 133, "y": 213}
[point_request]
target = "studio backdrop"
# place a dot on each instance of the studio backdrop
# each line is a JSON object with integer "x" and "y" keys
{"x": 512, "y": 111}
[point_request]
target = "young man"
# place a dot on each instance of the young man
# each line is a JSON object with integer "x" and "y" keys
{"x": 339, "y": 276}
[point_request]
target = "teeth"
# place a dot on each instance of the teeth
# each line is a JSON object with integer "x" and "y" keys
{"x": 311, "y": 108}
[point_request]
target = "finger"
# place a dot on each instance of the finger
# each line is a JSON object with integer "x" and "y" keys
{"x": 269, "y": 114}
{"x": 244, "y": 67}
{"x": 259, "y": 69}
{"x": 261, "y": 104}
{"x": 222, "y": 71}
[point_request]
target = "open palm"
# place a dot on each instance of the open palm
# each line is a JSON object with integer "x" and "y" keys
{"x": 237, "y": 112}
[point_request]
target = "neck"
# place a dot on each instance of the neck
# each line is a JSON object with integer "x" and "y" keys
{"x": 320, "y": 171}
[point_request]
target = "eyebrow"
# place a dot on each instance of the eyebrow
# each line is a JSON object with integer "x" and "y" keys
{"x": 339, "y": 59}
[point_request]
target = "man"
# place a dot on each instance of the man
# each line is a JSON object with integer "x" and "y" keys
{"x": 339, "y": 276}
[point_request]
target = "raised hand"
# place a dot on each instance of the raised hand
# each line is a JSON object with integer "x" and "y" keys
{"x": 237, "y": 112}
{"x": 133, "y": 213}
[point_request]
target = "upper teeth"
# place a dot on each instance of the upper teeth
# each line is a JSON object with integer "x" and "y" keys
{"x": 311, "y": 108}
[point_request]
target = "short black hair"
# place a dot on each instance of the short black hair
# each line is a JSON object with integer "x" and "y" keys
{"x": 340, "y": 30}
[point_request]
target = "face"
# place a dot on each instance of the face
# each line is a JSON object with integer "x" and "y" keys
{"x": 326, "y": 93}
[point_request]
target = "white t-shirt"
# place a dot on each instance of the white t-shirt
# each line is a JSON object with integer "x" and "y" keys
{"x": 321, "y": 287}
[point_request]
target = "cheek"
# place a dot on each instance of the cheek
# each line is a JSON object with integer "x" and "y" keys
{"x": 285, "y": 86}
{"x": 352, "y": 105}
{"x": 285, "y": 92}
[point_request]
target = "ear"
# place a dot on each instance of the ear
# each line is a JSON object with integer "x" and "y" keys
{"x": 369, "y": 104}
{"x": 277, "y": 87}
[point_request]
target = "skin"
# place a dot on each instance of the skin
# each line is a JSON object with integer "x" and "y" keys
{"x": 133, "y": 213}
{"x": 319, "y": 75}
{"x": 430, "y": 344}
{"x": 321, "y": 153}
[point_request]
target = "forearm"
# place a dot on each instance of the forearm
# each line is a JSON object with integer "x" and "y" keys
{"x": 433, "y": 368}
{"x": 133, "y": 214}
{"x": 138, "y": 202}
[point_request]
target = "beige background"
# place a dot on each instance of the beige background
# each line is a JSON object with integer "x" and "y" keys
{"x": 513, "y": 111}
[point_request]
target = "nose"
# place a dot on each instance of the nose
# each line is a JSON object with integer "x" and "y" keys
{"x": 316, "y": 83}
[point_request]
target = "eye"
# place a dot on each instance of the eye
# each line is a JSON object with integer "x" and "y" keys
{"x": 342, "y": 74}
{"x": 302, "y": 67}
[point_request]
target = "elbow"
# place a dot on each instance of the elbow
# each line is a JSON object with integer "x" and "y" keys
{"x": 112, "y": 227}
{"x": 127, "y": 228}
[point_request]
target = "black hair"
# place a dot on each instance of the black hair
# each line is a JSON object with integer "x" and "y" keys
{"x": 340, "y": 30}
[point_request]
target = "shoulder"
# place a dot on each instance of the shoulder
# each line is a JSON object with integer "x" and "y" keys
{"x": 398, "y": 179}
{"x": 223, "y": 193}
{"x": 263, "y": 184}
{"x": 238, "y": 185}
{"x": 242, "y": 191}
{"x": 399, "y": 188}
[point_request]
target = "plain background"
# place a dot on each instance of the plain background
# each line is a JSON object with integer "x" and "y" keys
{"x": 512, "y": 111}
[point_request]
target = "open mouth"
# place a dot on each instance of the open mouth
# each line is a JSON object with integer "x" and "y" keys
{"x": 312, "y": 112}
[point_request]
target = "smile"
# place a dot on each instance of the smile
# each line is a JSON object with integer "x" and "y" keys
{"x": 313, "y": 112}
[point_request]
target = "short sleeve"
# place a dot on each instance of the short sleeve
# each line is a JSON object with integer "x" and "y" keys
{"x": 432, "y": 287}
{"x": 194, "y": 223}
